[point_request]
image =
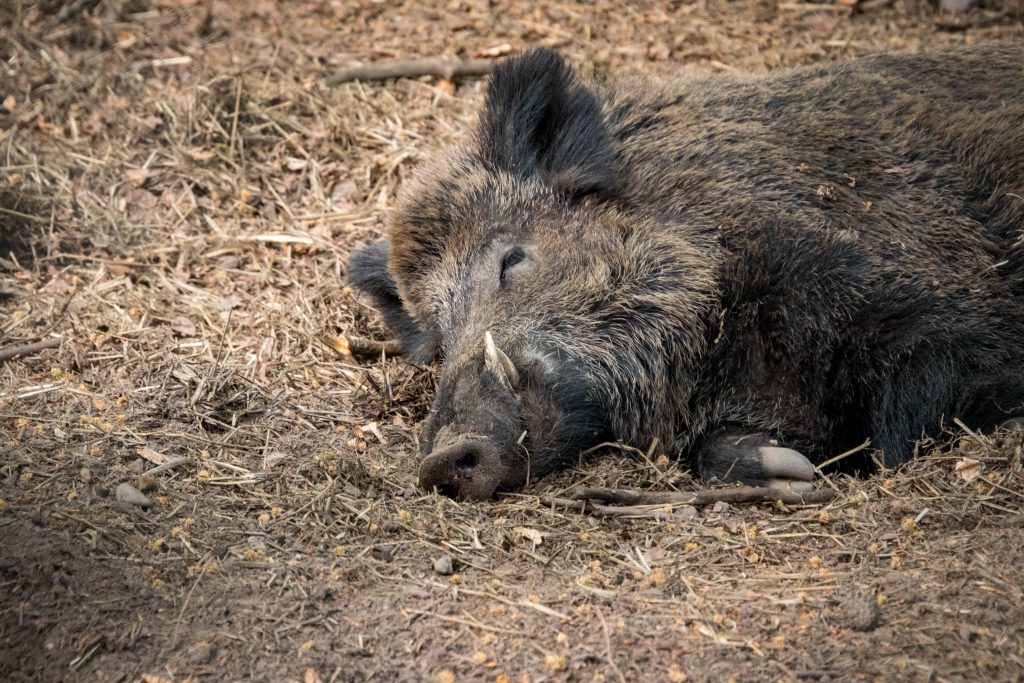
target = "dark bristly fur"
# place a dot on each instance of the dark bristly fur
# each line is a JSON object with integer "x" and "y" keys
{"x": 816, "y": 256}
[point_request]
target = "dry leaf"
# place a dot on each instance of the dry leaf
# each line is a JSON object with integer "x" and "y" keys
{"x": 183, "y": 327}
{"x": 125, "y": 40}
{"x": 137, "y": 175}
{"x": 537, "y": 537}
{"x": 198, "y": 154}
{"x": 495, "y": 51}
{"x": 153, "y": 456}
{"x": 968, "y": 469}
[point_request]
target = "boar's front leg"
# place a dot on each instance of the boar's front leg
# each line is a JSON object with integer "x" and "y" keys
{"x": 734, "y": 455}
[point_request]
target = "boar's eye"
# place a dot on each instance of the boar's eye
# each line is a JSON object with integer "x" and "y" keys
{"x": 511, "y": 258}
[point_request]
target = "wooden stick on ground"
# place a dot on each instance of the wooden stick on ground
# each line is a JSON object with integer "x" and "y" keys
{"x": 739, "y": 494}
{"x": 588, "y": 507}
{"x": 643, "y": 504}
{"x": 16, "y": 351}
{"x": 361, "y": 346}
{"x": 413, "y": 68}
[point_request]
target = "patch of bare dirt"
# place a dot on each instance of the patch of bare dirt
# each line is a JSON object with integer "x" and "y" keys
{"x": 179, "y": 191}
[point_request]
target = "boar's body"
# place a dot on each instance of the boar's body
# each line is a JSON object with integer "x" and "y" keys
{"x": 817, "y": 256}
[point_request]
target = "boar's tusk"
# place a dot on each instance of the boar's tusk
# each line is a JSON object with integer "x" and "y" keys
{"x": 499, "y": 363}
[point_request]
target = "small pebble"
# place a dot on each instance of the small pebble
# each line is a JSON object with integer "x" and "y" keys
{"x": 85, "y": 474}
{"x": 684, "y": 513}
{"x": 444, "y": 566}
{"x": 129, "y": 494}
{"x": 860, "y": 611}
{"x": 720, "y": 507}
{"x": 137, "y": 467}
{"x": 382, "y": 554}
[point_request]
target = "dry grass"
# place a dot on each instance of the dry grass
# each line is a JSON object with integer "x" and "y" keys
{"x": 179, "y": 193}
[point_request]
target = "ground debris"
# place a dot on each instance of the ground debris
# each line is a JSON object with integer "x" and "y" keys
{"x": 179, "y": 196}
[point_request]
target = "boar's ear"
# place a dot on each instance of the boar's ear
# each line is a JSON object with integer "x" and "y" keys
{"x": 539, "y": 119}
{"x": 368, "y": 273}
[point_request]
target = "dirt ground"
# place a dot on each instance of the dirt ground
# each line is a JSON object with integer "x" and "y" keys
{"x": 179, "y": 191}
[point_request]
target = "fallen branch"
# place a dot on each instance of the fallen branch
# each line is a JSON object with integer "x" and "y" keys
{"x": 361, "y": 346}
{"x": 970, "y": 22}
{"x": 740, "y": 494}
{"x": 413, "y": 68}
{"x": 589, "y": 508}
{"x": 169, "y": 465}
{"x": 16, "y": 351}
{"x": 815, "y": 7}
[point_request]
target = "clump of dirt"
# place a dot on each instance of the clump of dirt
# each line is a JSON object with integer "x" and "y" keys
{"x": 186, "y": 190}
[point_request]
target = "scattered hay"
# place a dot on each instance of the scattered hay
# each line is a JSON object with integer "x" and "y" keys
{"x": 194, "y": 190}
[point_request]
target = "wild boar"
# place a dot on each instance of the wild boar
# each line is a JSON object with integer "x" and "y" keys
{"x": 758, "y": 271}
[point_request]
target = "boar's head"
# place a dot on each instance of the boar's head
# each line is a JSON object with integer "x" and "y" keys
{"x": 564, "y": 315}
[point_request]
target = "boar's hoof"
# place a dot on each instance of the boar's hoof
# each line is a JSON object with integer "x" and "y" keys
{"x": 467, "y": 469}
{"x": 785, "y": 463}
{"x": 750, "y": 459}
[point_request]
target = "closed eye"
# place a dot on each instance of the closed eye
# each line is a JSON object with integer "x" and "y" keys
{"x": 511, "y": 258}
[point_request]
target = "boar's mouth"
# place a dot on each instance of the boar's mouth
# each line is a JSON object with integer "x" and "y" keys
{"x": 471, "y": 457}
{"x": 497, "y": 422}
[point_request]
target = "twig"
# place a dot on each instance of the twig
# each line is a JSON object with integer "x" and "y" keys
{"x": 587, "y": 507}
{"x": 15, "y": 351}
{"x": 869, "y": 5}
{"x": 173, "y": 642}
{"x": 169, "y": 465}
{"x": 845, "y": 454}
{"x": 68, "y": 11}
{"x": 361, "y": 346}
{"x": 959, "y": 423}
{"x": 608, "y": 647}
{"x": 413, "y": 68}
{"x": 814, "y": 7}
{"x": 980, "y": 22}
{"x": 740, "y": 494}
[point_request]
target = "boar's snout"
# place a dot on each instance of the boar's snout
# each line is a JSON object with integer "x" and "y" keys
{"x": 470, "y": 469}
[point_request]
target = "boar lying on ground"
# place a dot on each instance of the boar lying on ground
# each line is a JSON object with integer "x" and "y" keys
{"x": 758, "y": 271}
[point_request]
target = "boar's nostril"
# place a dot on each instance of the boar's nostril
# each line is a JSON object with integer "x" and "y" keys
{"x": 469, "y": 468}
{"x": 465, "y": 465}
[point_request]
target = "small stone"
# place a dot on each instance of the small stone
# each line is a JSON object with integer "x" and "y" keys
{"x": 129, "y": 494}
{"x": 201, "y": 653}
{"x": 444, "y": 565}
{"x": 147, "y": 482}
{"x": 684, "y": 513}
{"x": 720, "y": 507}
{"x": 382, "y": 554}
{"x": 860, "y": 611}
{"x": 85, "y": 474}
{"x": 138, "y": 466}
